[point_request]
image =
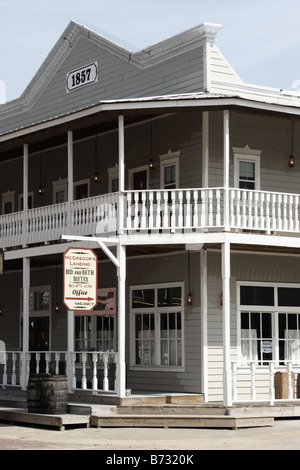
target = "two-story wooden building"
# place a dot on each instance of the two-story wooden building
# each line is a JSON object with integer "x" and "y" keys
{"x": 184, "y": 180}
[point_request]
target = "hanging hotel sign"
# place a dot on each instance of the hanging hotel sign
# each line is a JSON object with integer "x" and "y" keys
{"x": 82, "y": 77}
{"x": 80, "y": 279}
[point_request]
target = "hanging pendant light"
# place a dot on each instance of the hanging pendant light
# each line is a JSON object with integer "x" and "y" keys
{"x": 189, "y": 299}
{"x": 96, "y": 176}
{"x": 41, "y": 189}
{"x": 292, "y": 158}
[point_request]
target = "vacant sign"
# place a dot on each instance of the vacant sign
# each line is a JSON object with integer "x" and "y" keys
{"x": 80, "y": 279}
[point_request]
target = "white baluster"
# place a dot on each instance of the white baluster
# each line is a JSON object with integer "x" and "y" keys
{"x": 136, "y": 210}
{"x": 195, "y": 210}
{"x": 234, "y": 387}
{"x": 95, "y": 378}
{"x": 158, "y": 210}
{"x": 151, "y": 210}
{"x": 38, "y": 359}
{"x": 203, "y": 208}
{"x": 272, "y": 389}
{"x": 180, "y": 209}
{"x": 83, "y": 378}
{"x": 57, "y": 358}
{"x": 47, "y": 359}
{"x": 173, "y": 213}
{"x": 253, "y": 387}
{"x": 144, "y": 209}
{"x": 73, "y": 368}
{"x": 4, "y": 379}
{"x": 105, "y": 372}
{"x": 13, "y": 376}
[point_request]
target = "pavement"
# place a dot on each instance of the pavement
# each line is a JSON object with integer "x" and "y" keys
{"x": 284, "y": 435}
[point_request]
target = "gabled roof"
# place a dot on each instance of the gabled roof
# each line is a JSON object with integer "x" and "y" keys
{"x": 148, "y": 57}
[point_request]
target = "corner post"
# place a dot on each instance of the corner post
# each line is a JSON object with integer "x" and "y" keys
{"x": 121, "y": 365}
{"x": 25, "y": 332}
{"x": 227, "y": 387}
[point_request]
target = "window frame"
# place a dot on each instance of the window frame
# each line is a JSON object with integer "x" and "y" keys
{"x": 169, "y": 159}
{"x": 157, "y": 311}
{"x": 246, "y": 155}
{"x": 275, "y": 311}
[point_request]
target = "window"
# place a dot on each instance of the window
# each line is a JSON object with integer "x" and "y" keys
{"x": 97, "y": 331}
{"x": 169, "y": 174}
{"x": 60, "y": 191}
{"x": 8, "y": 202}
{"x": 247, "y": 168}
{"x": 113, "y": 179}
{"x": 82, "y": 189}
{"x": 94, "y": 333}
{"x": 157, "y": 325}
{"x": 269, "y": 317}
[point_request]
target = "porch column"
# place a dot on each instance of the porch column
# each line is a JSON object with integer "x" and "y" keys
{"x": 70, "y": 181}
{"x": 71, "y": 336}
{"x": 203, "y": 290}
{"x": 226, "y": 152}
{"x": 121, "y": 365}
{"x": 70, "y": 167}
{"x": 25, "y": 191}
{"x": 121, "y": 174}
{"x": 227, "y": 389}
{"x": 25, "y": 332}
{"x": 205, "y": 148}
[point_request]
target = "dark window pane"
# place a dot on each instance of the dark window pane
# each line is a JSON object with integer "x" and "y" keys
{"x": 143, "y": 298}
{"x": 169, "y": 297}
{"x": 254, "y": 295}
{"x": 288, "y": 297}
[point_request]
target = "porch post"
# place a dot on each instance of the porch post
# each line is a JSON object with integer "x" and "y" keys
{"x": 205, "y": 148}
{"x": 70, "y": 180}
{"x": 203, "y": 290}
{"x": 70, "y": 350}
{"x": 70, "y": 167}
{"x": 227, "y": 389}
{"x": 25, "y": 332}
{"x": 121, "y": 366}
{"x": 25, "y": 191}
{"x": 121, "y": 174}
{"x": 226, "y": 167}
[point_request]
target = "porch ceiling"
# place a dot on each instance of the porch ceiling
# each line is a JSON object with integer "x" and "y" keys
{"x": 57, "y": 259}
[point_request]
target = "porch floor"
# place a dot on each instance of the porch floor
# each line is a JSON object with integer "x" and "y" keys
{"x": 148, "y": 409}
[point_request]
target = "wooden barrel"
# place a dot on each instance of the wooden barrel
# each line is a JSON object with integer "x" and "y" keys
{"x": 54, "y": 394}
{"x": 34, "y": 393}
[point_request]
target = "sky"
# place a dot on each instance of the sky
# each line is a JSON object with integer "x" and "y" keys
{"x": 260, "y": 38}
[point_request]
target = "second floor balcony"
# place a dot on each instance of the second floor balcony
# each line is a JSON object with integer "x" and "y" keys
{"x": 178, "y": 211}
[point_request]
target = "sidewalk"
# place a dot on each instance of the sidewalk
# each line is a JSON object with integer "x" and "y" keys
{"x": 284, "y": 435}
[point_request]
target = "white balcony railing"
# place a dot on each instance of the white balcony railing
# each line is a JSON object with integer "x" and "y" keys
{"x": 178, "y": 210}
{"x": 255, "y": 383}
{"x": 94, "y": 370}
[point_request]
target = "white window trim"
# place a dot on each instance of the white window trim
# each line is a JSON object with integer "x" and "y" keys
{"x": 274, "y": 310}
{"x": 60, "y": 185}
{"x": 170, "y": 158}
{"x": 113, "y": 174}
{"x": 154, "y": 310}
{"x": 247, "y": 154}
